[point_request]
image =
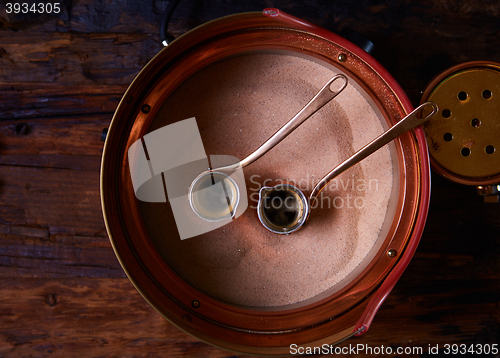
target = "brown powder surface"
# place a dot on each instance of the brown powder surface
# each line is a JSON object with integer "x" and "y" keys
{"x": 238, "y": 104}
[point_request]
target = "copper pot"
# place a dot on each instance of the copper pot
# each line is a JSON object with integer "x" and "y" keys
{"x": 329, "y": 317}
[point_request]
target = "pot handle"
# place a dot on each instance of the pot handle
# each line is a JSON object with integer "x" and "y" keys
{"x": 386, "y": 287}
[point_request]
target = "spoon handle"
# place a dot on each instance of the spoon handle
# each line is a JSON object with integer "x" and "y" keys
{"x": 411, "y": 121}
{"x": 325, "y": 95}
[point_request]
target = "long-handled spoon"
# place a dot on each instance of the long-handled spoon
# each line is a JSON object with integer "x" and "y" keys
{"x": 284, "y": 208}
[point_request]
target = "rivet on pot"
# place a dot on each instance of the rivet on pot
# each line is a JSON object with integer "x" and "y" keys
{"x": 342, "y": 57}
{"x": 146, "y": 108}
{"x": 392, "y": 253}
{"x": 195, "y": 304}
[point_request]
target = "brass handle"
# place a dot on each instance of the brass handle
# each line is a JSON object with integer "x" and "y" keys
{"x": 412, "y": 120}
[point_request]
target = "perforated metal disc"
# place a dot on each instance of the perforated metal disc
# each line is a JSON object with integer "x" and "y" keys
{"x": 464, "y": 139}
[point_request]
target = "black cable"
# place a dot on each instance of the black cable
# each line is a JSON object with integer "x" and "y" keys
{"x": 165, "y": 37}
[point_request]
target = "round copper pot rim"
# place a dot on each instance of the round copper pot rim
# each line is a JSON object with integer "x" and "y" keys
{"x": 429, "y": 89}
{"x": 327, "y": 319}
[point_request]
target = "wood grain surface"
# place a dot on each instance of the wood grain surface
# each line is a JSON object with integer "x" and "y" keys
{"x": 62, "y": 290}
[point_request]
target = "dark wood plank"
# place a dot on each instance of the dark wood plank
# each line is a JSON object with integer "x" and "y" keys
{"x": 49, "y": 204}
{"x": 62, "y": 201}
{"x": 62, "y": 291}
{"x": 35, "y": 100}
{"x": 89, "y": 317}
{"x": 55, "y": 256}
{"x": 59, "y": 143}
{"x": 43, "y": 57}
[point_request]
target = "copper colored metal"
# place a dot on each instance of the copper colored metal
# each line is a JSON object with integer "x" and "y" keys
{"x": 328, "y": 318}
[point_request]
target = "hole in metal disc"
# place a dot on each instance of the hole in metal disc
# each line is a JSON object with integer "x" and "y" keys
{"x": 486, "y": 94}
{"x": 446, "y": 113}
{"x": 448, "y": 137}
{"x": 489, "y": 149}
{"x": 462, "y": 95}
{"x": 465, "y": 152}
{"x": 475, "y": 123}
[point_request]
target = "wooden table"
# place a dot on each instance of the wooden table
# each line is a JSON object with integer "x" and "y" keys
{"x": 62, "y": 290}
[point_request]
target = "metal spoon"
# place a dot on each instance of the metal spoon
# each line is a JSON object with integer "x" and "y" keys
{"x": 295, "y": 208}
{"x": 325, "y": 95}
{"x": 228, "y": 191}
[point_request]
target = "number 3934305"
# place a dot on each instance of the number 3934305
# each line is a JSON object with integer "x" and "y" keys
{"x": 33, "y": 8}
